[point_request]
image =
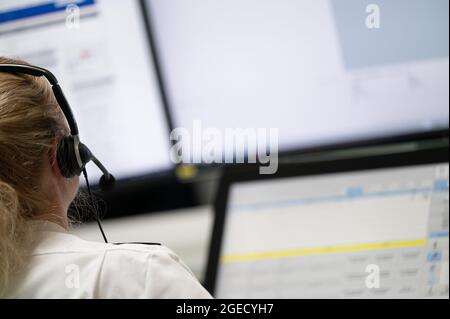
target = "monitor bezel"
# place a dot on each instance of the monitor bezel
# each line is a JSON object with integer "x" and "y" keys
{"x": 248, "y": 173}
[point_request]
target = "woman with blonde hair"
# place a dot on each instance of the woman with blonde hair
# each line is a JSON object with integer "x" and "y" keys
{"x": 38, "y": 256}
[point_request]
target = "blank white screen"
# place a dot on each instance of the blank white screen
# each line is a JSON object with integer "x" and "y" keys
{"x": 310, "y": 68}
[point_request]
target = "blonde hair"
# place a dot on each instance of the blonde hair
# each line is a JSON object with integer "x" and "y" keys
{"x": 30, "y": 123}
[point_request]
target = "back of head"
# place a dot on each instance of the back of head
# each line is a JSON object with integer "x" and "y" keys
{"x": 30, "y": 123}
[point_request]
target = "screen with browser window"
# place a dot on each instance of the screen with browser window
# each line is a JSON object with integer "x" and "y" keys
{"x": 100, "y": 53}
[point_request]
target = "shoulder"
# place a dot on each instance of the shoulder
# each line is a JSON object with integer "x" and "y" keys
{"x": 156, "y": 269}
{"x": 48, "y": 242}
{"x": 127, "y": 270}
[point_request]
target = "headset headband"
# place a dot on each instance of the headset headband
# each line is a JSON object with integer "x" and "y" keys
{"x": 57, "y": 91}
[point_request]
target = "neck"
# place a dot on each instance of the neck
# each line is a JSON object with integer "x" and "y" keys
{"x": 58, "y": 219}
{"x": 56, "y": 209}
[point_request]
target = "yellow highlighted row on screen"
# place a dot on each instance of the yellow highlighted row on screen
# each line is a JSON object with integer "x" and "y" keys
{"x": 321, "y": 250}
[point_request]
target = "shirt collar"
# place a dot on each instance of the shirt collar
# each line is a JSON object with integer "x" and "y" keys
{"x": 47, "y": 226}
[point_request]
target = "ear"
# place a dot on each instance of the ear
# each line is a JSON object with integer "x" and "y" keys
{"x": 54, "y": 161}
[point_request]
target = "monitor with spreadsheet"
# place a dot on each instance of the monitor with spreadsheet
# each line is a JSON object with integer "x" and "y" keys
{"x": 362, "y": 228}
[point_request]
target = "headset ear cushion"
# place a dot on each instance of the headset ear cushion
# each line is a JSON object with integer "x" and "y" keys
{"x": 66, "y": 157}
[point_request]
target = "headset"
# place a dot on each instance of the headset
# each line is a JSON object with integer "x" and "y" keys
{"x": 72, "y": 155}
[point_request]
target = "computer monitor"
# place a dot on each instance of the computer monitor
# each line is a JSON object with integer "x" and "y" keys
{"x": 321, "y": 71}
{"x": 364, "y": 228}
{"x": 100, "y": 53}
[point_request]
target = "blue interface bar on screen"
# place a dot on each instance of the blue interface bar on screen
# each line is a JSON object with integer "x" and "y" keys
{"x": 11, "y": 13}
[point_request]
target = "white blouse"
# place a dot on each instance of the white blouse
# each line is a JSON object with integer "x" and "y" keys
{"x": 65, "y": 266}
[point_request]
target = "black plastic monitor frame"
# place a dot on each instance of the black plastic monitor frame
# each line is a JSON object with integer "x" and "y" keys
{"x": 246, "y": 173}
{"x": 147, "y": 19}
